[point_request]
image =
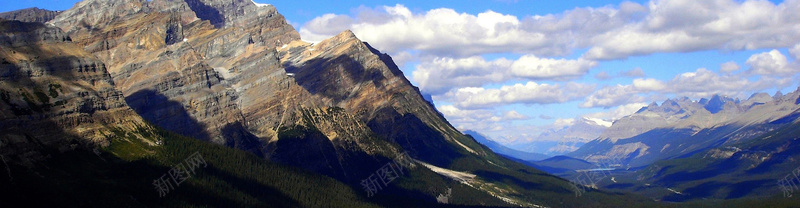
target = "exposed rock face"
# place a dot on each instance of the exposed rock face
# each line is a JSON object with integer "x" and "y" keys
{"x": 219, "y": 70}
{"x": 163, "y": 58}
{"x": 30, "y": 15}
{"x": 54, "y": 94}
{"x": 683, "y": 126}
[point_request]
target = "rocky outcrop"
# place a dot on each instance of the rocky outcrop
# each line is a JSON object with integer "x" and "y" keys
{"x": 30, "y": 15}
{"x": 54, "y": 95}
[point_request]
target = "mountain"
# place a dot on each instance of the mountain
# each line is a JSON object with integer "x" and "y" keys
{"x": 683, "y": 127}
{"x": 55, "y": 94}
{"x": 564, "y": 140}
{"x": 128, "y": 80}
{"x": 503, "y": 150}
{"x": 30, "y": 15}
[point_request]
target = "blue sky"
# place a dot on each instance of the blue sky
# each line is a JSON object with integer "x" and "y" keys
{"x": 513, "y": 68}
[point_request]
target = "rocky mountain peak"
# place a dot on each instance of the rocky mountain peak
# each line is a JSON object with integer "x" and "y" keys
{"x": 92, "y": 13}
{"x": 757, "y": 99}
{"x": 778, "y": 95}
{"x": 717, "y": 103}
{"x": 30, "y": 15}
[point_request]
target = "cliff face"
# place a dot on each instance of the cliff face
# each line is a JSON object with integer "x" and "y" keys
{"x": 54, "y": 94}
{"x": 220, "y": 71}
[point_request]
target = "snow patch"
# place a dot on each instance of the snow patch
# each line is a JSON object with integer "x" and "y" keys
{"x": 462, "y": 177}
{"x": 185, "y": 39}
{"x": 600, "y": 122}
{"x": 260, "y": 4}
{"x": 673, "y": 191}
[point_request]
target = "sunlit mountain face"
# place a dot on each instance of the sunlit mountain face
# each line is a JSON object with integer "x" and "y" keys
{"x": 249, "y": 103}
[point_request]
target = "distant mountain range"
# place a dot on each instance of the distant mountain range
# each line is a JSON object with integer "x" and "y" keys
{"x": 563, "y": 140}
{"x": 682, "y": 126}
{"x": 503, "y": 150}
{"x": 718, "y": 147}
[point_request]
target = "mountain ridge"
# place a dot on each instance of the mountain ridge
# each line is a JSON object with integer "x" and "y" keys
{"x": 678, "y": 120}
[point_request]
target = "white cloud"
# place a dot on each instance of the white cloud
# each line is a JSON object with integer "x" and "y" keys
{"x": 701, "y": 83}
{"x": 618, "y": 112}
{"x": 440, "y": 75}
{"x": 480, "y": 120}
{"x": 514, "y": 115}
{"x": 687, "y": 25}
{"x": 729, "y": 67}
{"x": 611, "y": 32}
{"x": 611, "y": 96}
{"x": 445, "y": 32}
{"x": 529, "y": 93}
{"x": 770, "y": 63}
{"x": 325, "y": 25}
{"x": 562, "y": 122}
{"x": 533, "y": 67}
{"x": 648, "y": 84}
{"x": 795, "y": 51}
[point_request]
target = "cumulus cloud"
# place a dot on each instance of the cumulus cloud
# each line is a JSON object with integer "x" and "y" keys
{"x": 563, "y": 122}
{"x": 514, "y": 115}
{"x": 648, "y": 84}
{"x": 701, "y": 83}
{"x": 795, "y": 51}
{"x": 533, "y": 67}
{"x": 610, "y": 32}
{"x": 611, "y": 96}
{"x": 770, "y": 63}
{"x": 481, "y": 120}
{"x": 443, "y": 74}
{"x": 729, "y": 67}
{"x": 528, "y": 93}
{"x": 686, "y": 25}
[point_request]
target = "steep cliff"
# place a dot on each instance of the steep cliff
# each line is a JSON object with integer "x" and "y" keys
{"x": 55, "y": 95}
